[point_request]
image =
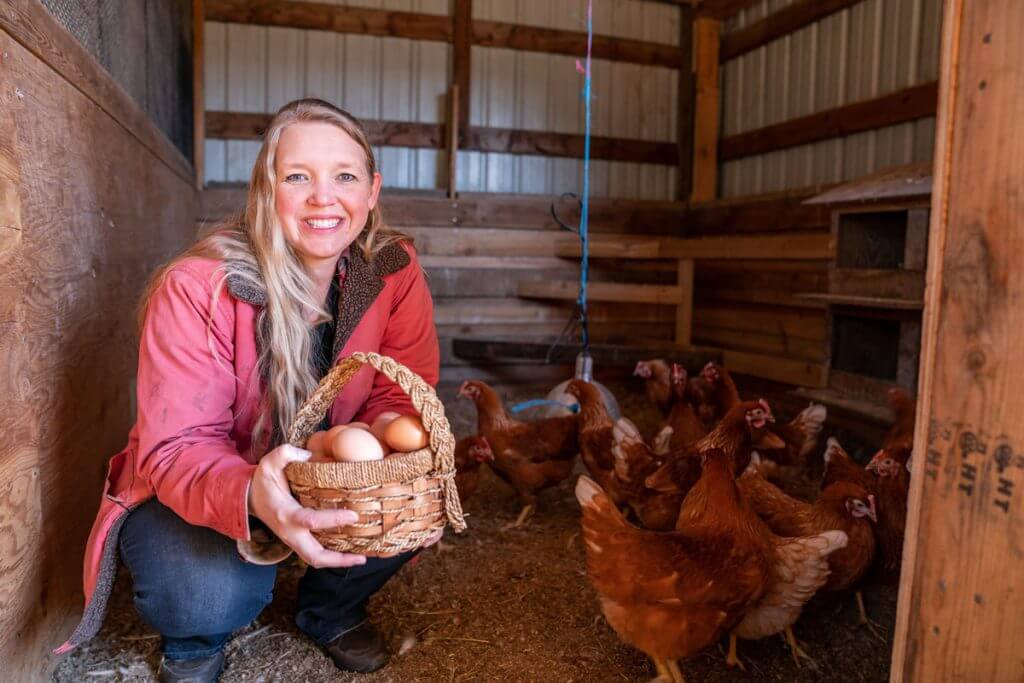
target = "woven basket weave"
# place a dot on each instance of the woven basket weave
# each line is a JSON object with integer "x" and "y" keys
{"x": 401, "y": 500}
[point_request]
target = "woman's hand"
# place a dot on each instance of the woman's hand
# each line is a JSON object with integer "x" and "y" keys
{"x": 271, "y": 500}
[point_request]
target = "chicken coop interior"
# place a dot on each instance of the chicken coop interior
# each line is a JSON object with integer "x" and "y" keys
{"x": 793, "y": 221}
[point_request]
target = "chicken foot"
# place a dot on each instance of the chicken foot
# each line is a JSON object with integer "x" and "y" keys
{"x": 733, "y": 659}
{"x": 673, "y": 669}
{"x": 668, "y": 671}
{"x": 798, "y": 652}
{"x": 872, "y": 625}
{"x": 524, "y": 515}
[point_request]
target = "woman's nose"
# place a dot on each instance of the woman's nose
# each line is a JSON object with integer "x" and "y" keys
{"x": 321, "y": 195}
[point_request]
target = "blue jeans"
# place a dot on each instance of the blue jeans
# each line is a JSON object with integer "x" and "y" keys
{"x": 191, "y": 586}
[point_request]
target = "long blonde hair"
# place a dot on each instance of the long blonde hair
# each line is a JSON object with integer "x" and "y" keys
{"x": 252, "y": 249}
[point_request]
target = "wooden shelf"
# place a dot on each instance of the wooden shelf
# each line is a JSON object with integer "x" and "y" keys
{"x": 600, "y": 291}
{"x": 793, "y": 246}
{"x": 864, "y": 301}
{"x": 539, "y": 348}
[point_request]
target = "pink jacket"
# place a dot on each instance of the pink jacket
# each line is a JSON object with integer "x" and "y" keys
{"x": 198, "y": 392}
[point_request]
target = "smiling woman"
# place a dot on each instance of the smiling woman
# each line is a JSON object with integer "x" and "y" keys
{"x": 235, "y": 334}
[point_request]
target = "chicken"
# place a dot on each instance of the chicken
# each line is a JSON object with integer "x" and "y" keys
{"x": 904, "y": 411}
{"x": 685, "y": 427}
{"x": 470, "y": 453}
{"x": 673, "y": 593}
{"x": 839, "y": 466}
{"x": 634, "y": 460}
{"x": 657, "y": 382}
{"x": 595, "y": 438}
{"x": 713, "y": 394}
{"x": 800, "y": 436}
{"x": 529, "y": 456}
{"x": 743, "y": 428}
{"x": 843, "y": 505}
{"x": 892, "y": 485}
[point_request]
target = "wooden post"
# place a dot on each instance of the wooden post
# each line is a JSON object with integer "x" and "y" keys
{"x": 453, "y": 140}
{"x": 685, "y": 106}
{"x": 961, "y": 605}
{"x": 198, "y": 94}
{"x": 462, "y": 33}
{"x": 706, "y": 33}
{"x": 684, "y": 310}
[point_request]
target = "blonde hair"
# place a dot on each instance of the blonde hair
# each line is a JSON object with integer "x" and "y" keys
{"x": 252, "y": 249}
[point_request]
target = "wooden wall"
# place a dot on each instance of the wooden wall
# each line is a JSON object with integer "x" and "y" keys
{"x": 256, "y": 69}
{"x": 813, "y": 57}
{"x": 92, "y": 197}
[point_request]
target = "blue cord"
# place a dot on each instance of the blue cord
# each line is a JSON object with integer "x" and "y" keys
{"x": 532, "y": 403}
{"x": 585, "y": 211}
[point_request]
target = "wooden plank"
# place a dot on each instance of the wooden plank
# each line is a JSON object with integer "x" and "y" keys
{"x": 897, "y": 184}
{"x": 503, "y": 310}
{"x": 452, "y": 148}
{"x": 462, "y": 55}
{"x": 339, "y": 19}
{"x": 541, "y": 143}
{"x": 34, "y": 28}
{"x": 506, "y": 375}
{"x": 198, "y": 91}
{"x": 866, "y": 301}
{"x": 707, "y": 33}
{"x": 776, "y": 368}
{"x": 784, "y": 322}
{"x": 904, "y": 106}
{"x": 758, "y": 342}
{"x": 686, "y": 104}
{"x": 600, "y": 291}
{"x": 776, "y": 211}
{"x": 724, "y": 9}
{"x": 905, "y": 285}
{"x": 781, "y": 23}
{"x": 794, "y": 246}
{"x": 684, "y": 311}
{"x": 537, "y": 39}
{"x": 621, "y": 355}
{"x": 961, "y": 590}
{"x": 251, "y": 126}
{"x": 468, "y": 282}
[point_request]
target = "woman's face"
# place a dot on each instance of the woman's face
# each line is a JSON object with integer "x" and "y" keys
{"x": 324, "y": 192}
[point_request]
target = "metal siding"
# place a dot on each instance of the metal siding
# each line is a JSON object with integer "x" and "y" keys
{"x": 870, "y": 49}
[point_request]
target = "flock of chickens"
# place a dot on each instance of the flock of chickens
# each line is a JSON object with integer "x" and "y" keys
{"x": 688, "y": 536}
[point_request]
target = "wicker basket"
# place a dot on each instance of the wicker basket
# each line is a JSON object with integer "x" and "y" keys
{"x": 402, "y": 499}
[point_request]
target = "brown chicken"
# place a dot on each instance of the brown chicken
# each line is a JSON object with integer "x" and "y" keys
{"x": 904, "y": 411}
{"x": 743, "y": 428}
{"x": 892, "y": 485}
{"x": 529, "y": 456}
{"x": 839, "y": 466}
{"x": 843, "y": 505}
{"x": 673, "y": 593}
{"x": 686, "y": 427}
{"x": 634, "y": 460}
{"x": 713, "y": 394}
{"x": 657, "y": 376}
{"x": 470, "y": 453}
{"x": 800, "y": 436}
{"x": 596, "y": 438}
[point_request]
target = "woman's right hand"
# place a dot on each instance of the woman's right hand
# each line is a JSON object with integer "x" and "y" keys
{"x": 271, "y": 501}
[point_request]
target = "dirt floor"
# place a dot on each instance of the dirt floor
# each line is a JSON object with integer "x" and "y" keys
{"x": 504, "y": 605}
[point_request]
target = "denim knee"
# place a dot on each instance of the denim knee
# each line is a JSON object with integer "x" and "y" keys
{"x": 189, "y": 580}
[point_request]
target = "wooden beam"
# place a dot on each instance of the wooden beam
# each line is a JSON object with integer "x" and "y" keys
{"x": 776, "y": 211}
{"x": 462, "y": 53}
{"x": 962, "y": 590}
{"x": 453, "y": 140}
{"x": 251, "y": 126}
{"x": 198, "y": 92}
{"x": 568, "y": 145}
{"x": 707, "y": 33}
{"x": 724, "y": 9}
{"x": 604, "y": 354}
{"x": 537, "y": 39}
{"x": 339, "y": 19}
{"x": 568, "y": 290}
{"x": 800, "y": 373}
{"x": 795, "y": 246}
{"x": 782, "y": 23}
{"x": 686, "y": 102}
{"x": 684, "y": 309}
{"x": 903, "y": 106}
{"x": 34, "y": 28}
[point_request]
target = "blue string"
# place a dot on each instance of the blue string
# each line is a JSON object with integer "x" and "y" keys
{"x": 585, "y": 211}
{"x": 532, "y": 403}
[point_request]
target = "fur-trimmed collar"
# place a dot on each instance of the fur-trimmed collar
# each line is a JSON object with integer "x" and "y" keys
{"x": 363, "y": 283}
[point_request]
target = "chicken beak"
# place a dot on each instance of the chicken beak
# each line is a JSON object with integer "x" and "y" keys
{"x": 769, "y": 441}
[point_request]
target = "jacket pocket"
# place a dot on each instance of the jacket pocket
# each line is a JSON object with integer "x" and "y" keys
{"x": 114, "y": 469}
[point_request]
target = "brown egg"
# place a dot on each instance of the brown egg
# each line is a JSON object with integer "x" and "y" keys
{"x": 406, "y": 434}
{"x": 356, "y": 445}
{"x": 317, "y": 443}
{"x": 381, "y": 423}
{"x": 332, "y": 434}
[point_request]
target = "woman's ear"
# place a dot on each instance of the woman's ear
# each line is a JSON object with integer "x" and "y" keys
{"x": 375, "y": 190}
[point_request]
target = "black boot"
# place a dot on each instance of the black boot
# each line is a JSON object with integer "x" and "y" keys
{"x": 361, "y": 650}
{"x": 199, "y": 670}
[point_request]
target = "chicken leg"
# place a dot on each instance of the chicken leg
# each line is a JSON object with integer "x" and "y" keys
{"x": 732, "y": 659}
{"x": 673, "y": 669}
{"x": 524, "y": 515}
{"x": 664, "y": 675}
{"x": 798, "y": 651}
{"x": 865, "y": 620}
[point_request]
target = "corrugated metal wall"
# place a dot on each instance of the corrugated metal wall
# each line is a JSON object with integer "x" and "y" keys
{"x": 873, "y": 48}
{"x": 257, "y": 69}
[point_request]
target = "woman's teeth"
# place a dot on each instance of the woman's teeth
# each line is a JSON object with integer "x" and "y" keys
{"x": 323, "y": 223}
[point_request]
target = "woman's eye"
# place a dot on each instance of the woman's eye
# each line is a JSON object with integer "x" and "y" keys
{"x": 295, "y": 178}
{"x": 346, "y": 177}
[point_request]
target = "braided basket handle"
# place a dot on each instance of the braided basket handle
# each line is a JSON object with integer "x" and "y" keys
{"x": 424, "y": 400}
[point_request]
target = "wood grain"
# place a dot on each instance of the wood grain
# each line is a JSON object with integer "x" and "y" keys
{"x": 962, "y": 592}
{"x": 67, "y": 324}
{"x": 781, "y": 23}
{"x": 707, "y": 33}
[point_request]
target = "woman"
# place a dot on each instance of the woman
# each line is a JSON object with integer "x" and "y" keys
{"x": 236, "y": 333}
